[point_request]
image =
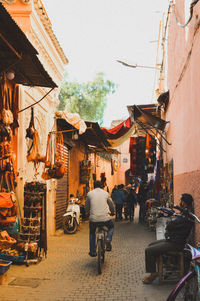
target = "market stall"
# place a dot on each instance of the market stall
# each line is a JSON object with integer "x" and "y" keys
{"x": 22, "y": 229}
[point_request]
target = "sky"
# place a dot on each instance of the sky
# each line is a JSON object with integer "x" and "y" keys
{"x": 95, "y": 33}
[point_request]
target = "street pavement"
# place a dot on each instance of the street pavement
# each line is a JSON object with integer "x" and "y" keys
{"x": 70, "y": 274}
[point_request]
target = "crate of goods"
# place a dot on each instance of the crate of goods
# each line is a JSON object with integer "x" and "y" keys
{"x": 12, "y": 258}
{"x": 4, "y": 266}
{"x": 6, "y": 241}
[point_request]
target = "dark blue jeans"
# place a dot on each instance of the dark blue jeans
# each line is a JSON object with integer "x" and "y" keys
{"x": 93, "y": 225}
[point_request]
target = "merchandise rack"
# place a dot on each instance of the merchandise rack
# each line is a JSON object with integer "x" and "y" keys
{"x": 33, "y": 225}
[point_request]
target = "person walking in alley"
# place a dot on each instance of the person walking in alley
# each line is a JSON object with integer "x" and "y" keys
{"x": 118, "y": 198}
{"x": 131, "y": 201}
{"x": 100, "y": 208}
{"x": 114, "y": 188}
{"x": 178, "y": 230}
{"x": 142, "y": 197}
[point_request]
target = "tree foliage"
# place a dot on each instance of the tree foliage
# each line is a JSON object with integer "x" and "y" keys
{"x": 88, "y": 99}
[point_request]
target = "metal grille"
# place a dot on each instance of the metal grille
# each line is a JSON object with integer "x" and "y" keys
{"x": 62, "y": 192}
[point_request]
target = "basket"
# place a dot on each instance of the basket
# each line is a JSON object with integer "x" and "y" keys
{"x": 12, "y": 258}
{"x": 4, "y": 266}
{"x": 6, "y": 244}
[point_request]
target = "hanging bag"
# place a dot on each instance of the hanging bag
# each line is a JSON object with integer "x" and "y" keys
{"x": 56, "y": 163}
{"x": 33, "y": 152}
{"x": 45, "y": 175}
{"x": 48, "y": 152}
{"x": 8, "y": 208}
{"x": 7, "y": 115}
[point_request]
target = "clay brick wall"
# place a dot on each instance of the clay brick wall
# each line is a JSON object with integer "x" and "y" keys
{"x": 189, "y": 183}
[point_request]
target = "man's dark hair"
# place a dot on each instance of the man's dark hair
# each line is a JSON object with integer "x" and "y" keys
{"x": 97, "y": 184}
{"x": 188, "y": 199}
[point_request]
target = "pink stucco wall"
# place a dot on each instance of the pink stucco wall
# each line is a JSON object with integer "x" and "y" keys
{"x": 184, "y": 106}
{"x": 189, "y": 182}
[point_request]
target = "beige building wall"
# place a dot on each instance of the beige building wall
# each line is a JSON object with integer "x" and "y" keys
{"x": 33, "y": 20}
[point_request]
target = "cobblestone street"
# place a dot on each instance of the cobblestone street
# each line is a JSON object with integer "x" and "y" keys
{"x": 70, "y": 274}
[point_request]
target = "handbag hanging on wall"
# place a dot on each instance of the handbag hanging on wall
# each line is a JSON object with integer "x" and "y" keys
{"x": 33, "y": 154}
{"x": 6, "y": 115}
{"x": 55, "y": 165}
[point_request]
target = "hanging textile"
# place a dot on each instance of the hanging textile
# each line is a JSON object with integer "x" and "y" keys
{"x": 133, "y": 155}
{"x": 120, "y": 133}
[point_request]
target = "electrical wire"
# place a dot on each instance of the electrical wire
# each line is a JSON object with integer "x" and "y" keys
{"x": 191, "y": 13}
{"x": 36, "y": 101}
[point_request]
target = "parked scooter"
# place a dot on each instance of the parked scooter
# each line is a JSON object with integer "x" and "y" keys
{"x": 71, "y": 219}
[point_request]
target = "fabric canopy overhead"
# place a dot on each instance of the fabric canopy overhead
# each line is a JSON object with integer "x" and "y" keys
{"x": 92, "y": 136}
{"x": 74, "y": 119}
{"x": 19, "y": 55}
{"x": 120, "y": 133}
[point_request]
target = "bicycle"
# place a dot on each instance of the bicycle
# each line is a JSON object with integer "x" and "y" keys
{"x": 101, "y": 234}
{"x": 188, "y": 288}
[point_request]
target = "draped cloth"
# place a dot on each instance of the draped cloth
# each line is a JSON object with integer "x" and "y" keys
{"x": 120, "y": 133}
{"x": 74, "y": 119}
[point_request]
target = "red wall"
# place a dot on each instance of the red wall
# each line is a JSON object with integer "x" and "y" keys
{"x": 184, "y": 104}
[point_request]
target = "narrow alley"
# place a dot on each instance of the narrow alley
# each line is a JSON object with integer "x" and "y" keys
{"x": 70, "y": 274}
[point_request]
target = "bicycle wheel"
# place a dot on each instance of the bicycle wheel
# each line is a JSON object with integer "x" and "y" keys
{"x": 186, "y": 289}
{"x": 99, "y": 255}
{"x": 68, "y": 226}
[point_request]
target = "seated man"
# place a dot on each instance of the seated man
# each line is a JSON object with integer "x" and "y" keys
{"x": 99, "y": 206}
{"x": 177, "y": 231}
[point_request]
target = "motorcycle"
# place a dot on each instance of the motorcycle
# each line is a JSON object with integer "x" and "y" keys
{"x": 71, "y": 219}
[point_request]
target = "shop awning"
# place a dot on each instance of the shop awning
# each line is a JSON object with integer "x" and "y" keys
{"x": 146, "y": 117}
{"x": 95, "y": 149}
{"x": 19, "y": 55}
{"x": 92, "y": 136}
{"x": 120, "y": 133}
{"x": 74, "y": 119}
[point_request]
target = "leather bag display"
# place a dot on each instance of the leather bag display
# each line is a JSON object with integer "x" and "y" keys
{"x": 55, "y": 165}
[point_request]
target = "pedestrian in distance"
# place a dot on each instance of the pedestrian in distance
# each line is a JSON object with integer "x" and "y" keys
{"x": 131, "y": 201}
{"x": 100, "y": 207}
{"x": 142, "y": 198}
{"x": 114, "y": 188}
{"x": 118, "y": 197}
{"x": 126, "y": 205}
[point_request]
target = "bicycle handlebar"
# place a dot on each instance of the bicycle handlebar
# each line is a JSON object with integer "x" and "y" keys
{"x": 171, "y": 212}
{"x": 195, "y": 217}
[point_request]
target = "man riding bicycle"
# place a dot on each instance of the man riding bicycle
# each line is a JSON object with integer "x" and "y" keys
{"x": 100, "y": 207}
